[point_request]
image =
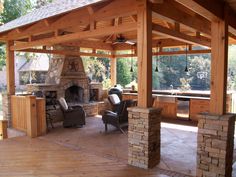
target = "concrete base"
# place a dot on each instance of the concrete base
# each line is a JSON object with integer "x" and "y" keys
{"x": 215, "y": 145}
{"x": 144, "y": 137}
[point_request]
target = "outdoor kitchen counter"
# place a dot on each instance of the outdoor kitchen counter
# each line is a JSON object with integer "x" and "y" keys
{"x": 168, "y": 103}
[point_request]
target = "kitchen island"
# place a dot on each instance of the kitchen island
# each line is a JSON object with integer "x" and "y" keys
{"x": 181, "y": 105}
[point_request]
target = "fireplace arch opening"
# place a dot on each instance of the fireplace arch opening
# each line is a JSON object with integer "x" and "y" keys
{"x": 74, "y": 94}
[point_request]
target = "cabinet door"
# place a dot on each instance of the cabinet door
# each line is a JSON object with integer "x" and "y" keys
{"x": 198, "y": 106}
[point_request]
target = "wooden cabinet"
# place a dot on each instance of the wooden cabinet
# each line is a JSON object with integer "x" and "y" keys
{"x": 168, "y": 105}
{"x": 198, "y": 106}
{"x": 129, "y": 96}
{"x": 29, "y": 115}
{"x": 168, "y": 109}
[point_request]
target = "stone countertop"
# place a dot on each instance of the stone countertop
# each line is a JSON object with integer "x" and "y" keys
{"x": 175, "y": 96}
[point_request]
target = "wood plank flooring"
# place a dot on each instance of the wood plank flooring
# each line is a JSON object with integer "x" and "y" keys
{"x": 88, "y": 152}
{"x": 25, "y": 157}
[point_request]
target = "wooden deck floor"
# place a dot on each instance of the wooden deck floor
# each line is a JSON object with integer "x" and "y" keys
{"x": 25, "y": 157}
{"x": 86, "y": 152}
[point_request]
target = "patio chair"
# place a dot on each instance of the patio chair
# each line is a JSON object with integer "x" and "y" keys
{"x": 120, "y": 118}
{"x": 73, "y": 116}
{"x": 114, "y": 101}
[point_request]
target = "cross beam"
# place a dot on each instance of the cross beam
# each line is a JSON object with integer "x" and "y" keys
{"x": 181, "y": 36}
{"x": 77, "y": 36}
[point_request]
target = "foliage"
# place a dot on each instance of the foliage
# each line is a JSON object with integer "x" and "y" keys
{"x": 123, "y": 72}
{"x": 94, "y": 68}
{"x": 199, "y": 71}
{"x": 232, "y": 68}
{"x": 40, "y": 3}
{"x": 172, "y": 72}
{"x": 185, "y": 84}
{"x": 106, "y": 83}
{"x": 2, "y": 56}
{"x": 14, "y": 9}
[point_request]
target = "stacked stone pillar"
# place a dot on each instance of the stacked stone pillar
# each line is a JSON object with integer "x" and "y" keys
{"x": 144, "y": 137}
{"x": 6, "y": 108}
{"x": 215, "y": 145}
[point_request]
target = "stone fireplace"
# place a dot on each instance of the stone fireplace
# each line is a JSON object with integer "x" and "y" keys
{"x": 66, "y": 76}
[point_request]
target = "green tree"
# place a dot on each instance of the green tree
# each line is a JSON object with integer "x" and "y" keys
{"x": 199, "y": 71}
{"x": 232, "y": 68}
{"x": 2, "y": 56}
{"x": 123, "y": 72}
{"x": 40, "y": 3}
{"x": 94, "y": 68}
{"x": 13, "y": 9}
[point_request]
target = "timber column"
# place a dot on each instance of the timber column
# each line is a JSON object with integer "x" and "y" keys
{"x": 144, "y": 121}
{"x": 10, "y": 66}
{"x": 113, "y": 61}
{"x": 216, "y": 129}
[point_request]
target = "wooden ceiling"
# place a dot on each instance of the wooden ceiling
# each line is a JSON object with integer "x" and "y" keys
{"x": 98, "y": 25}
{"x": 232, "y": 3}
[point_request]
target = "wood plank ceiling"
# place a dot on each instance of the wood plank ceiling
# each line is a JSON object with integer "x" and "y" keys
{"x": 173, "y": 25}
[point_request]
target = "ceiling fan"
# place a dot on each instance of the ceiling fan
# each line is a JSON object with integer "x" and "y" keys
{"x": 121, "y": 39}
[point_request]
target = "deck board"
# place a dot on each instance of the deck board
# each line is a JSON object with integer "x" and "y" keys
{"x": 86, "y": 152}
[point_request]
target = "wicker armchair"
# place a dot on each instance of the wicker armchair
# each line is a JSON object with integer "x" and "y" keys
{"x": 120, "y": 118}
{"x": 73, "y": 116}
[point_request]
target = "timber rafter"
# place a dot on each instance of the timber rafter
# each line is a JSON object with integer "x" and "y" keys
{"x": 104, "y": 21}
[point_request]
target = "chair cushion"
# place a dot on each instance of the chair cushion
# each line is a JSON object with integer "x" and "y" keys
{"x": 63, "y": 103}
{"x": 114, "y": 99}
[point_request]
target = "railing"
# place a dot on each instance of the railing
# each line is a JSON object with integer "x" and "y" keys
{"x": 28, "y": 115}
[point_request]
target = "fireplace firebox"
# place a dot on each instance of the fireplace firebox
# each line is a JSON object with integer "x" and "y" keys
{"x": 74, "y": 94}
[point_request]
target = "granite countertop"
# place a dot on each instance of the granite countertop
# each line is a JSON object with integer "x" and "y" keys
{"x": 206, "y": 97}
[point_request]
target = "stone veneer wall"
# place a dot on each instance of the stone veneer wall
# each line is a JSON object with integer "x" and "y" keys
{"x": 144, "y": 137}
{"x": 215, "y": 145}
{"x": 6, "y": 108}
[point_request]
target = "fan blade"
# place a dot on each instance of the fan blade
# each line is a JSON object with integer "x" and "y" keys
{"x": 114, "y": 43}
{"x": 130, "y": 42}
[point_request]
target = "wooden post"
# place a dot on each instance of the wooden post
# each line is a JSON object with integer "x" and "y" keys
{"x": 10, "y": 64}
{"x": 41, "y": 116}
{"x": 113, "y": 71}
{"x": 31, "y": 116}
{"x": 3, "y": 129}
{"x": 219, "y": 62}
{"x": 144, "y": 55}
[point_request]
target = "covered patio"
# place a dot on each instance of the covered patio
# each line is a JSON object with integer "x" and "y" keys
{"x": 66, "y": 28}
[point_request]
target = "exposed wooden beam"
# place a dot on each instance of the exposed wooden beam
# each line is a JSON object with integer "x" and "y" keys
{"x": 90, "y": 10}
{"x": 219, "y": 61}
{"x": 113, "y": 62}
{"x": 144, "y": 55}
{"x": 64, "y": 52}
{"x": 174, "y": 12}
{"x": 156, "y": 1}
{"x": 77, "y": 36}
{"x": 190, "y": 52}
{"x": 78, "y": 17}
{"x": 10, "y": 66}
{"x": 134, "y": 18}
{"x": 117, "y": 8}
{"x": 90, "y": 44}
{"x": 212, "y": 10}
{"x": 180, "y": 36}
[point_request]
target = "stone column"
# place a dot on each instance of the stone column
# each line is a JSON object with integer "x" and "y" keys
{"x": 144, "y": 137}
{"x": 6, "y": 108}
{"x": 215, "y": 145}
